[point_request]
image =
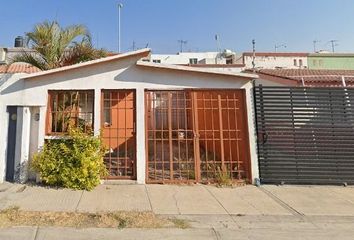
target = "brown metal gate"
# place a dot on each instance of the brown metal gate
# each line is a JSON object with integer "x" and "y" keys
{"x": 118, "y": 132}
{"x": 193, "y": 135}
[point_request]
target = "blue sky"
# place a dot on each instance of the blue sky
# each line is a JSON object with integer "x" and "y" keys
{"x": 161, "y": 23}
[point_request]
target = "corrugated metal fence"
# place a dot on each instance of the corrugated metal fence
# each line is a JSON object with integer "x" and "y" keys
{"x": 305, "y": 135}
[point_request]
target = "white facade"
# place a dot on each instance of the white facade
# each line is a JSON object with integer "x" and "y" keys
{"x": 276, "y": 60}
{"x": 184, "y": 58}
{"x": 122, "y": 72}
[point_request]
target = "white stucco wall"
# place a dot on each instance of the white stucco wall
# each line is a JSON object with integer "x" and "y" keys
{"x": 7, "y": 82}
{"x": 272, "y": 62}
{"x": 183, "y": 57}
{"x": 124, "y": 74}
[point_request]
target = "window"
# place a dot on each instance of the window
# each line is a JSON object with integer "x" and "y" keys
{"x": 156, "y": 61}
{"x": 300, "y": 62}
{"x": 314, "y": 62}
{"x": 229, "y": 61}
{"x": 193, "y": 61}
{"x": 295, "y": 62}
{"x": 69, "y": 108}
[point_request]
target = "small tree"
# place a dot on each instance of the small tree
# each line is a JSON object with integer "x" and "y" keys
{"x": 75, "y": 161}
{"x": 55, "y": 46}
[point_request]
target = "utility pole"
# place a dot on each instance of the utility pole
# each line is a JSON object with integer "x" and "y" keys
{"x": 334, "y": 44}
{"x": 218, "y": 49}
{"x": 120, "y": 6}
{"x": 254, "y": 55}
{"x": 314, "y": 45}
{"x": 133, "y": 45}
{"x": 279, "y": 46}
{"x": 182, "y": 42}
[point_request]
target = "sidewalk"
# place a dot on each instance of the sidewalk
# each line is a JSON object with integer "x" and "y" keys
{"x": 300, "y": 212}
{"x": 181, "y": 200}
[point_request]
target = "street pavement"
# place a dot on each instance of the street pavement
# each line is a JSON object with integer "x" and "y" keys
{"x": 247, "y": 212}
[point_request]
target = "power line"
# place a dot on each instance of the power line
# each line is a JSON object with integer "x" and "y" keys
{"x": 314, "y": 45}
{"x": 279, "y": 46}
{"x": 182, "y": 42}
{"x": 334, "y": 43}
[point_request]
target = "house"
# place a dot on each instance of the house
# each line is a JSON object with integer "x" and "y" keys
{"x": 10, "y": 76}
{"x": 305, "y": 126}
{"x": 306, "y": 77}
{"x": 275, "y": 60}
{"x": 331, "y": 61}
{"x": 183, "y": 58}
{"x": 222, "y": 61}
{"x": 161, "y": 122}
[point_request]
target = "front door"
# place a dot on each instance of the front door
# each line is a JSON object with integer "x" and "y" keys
{"x": 11, "y": 143}
{"x": 118, "y": 132}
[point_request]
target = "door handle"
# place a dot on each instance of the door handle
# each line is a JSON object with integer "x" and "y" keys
{"x": 264, "y": 137}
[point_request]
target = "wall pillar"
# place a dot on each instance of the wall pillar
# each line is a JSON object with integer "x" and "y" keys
{"x": 140, "y": 136}
{"x": 251, "y": 116}
{"x": 97, "y": 112}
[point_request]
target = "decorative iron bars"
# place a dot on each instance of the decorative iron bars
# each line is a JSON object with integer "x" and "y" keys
{"x": 194, "y": 135}
{"x": 118, "y": 132}
{"x": 69, "y": 108}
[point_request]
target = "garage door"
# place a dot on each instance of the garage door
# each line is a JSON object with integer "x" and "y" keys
{"x": 194, "y": 135}
{"x": 305, "y": 135}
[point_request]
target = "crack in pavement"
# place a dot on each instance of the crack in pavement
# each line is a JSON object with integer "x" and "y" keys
{"x": 174, "y": 198}
{"x": 282, "y": 203}
{"x": 77, "y": 205}
{"x": 148, "y": 196}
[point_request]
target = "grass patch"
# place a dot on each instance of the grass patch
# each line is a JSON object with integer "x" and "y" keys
{"x": 14, "y": 216}
{"x": 180, "y": 223}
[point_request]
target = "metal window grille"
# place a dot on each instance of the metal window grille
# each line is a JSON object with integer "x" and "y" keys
{"x": 69, "y": 108}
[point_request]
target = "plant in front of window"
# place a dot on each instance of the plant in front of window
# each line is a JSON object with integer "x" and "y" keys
{"x": 74, "y": 162}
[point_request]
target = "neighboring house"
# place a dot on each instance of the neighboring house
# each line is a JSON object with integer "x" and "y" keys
{"x": 331, "y": 61}
{"x": 223, "y": 61}
{"x": 306, "y": 77}
{"x": 10, "y": 79}
{"x": 305, "y": 126}
{"x": 160, "y": 122}
{"x": 182, "y": 58}
{"x": 8, "y": 53}
{"x": 275, "y": 60}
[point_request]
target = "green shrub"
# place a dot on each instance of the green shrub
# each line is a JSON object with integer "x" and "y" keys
{"x": 223, "y": 177}
{"x": 75, "y": 161}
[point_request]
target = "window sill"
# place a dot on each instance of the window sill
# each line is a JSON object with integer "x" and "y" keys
{"x": 53, "y": 137}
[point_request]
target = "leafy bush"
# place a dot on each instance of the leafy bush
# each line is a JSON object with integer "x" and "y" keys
{"x": 75, "y": 161}
{"x": 223, "y": 177}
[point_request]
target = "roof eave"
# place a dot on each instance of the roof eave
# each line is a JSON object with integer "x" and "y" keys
{"x": 194, "y": 69}
{"x": 144, "y": 52}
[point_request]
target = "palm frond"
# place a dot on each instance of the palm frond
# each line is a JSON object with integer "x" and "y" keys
{"x": 57, "y": 46}
{"x": 31, "y": 59}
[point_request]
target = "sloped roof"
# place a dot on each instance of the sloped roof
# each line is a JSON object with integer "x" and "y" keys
{"x": 195, "y": 69}
{"x": 312, "y": 76}
{"x": 19, "y": 68}
{"x": 143, "y": 52}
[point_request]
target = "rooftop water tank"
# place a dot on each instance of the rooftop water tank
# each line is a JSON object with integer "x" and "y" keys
{"x": 19, "y": 41}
